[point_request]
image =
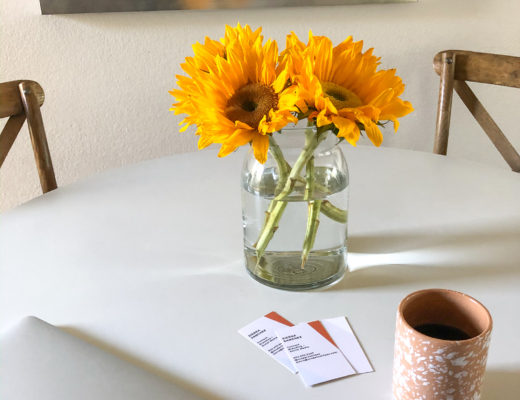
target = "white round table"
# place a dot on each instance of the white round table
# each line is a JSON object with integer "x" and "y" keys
{"x": 146, "y": 261}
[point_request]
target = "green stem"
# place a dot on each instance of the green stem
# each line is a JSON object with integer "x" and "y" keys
{"x": 270, "y": 227}
{"x": 330, "y": 210}
{"x": 309, "y": 179}
{"x": 275, "y": 210}
{"x": 283, "y": 171}
{"x": 283, "y": 165}
{"x": 312, "y": 141}
{"x": 313, "y": 222}
{"x": 333, "y": 212}
{"x": 314, "y": 207}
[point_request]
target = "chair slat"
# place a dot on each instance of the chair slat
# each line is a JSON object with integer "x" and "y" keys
{"x": 39, "y": 140}
{"x": 495, "y": 69}
{"x": 9, "y": 134}
{"x": 10, "y": 102}
{"x": 444, "y": 104}
{"x": 489, "y": 126}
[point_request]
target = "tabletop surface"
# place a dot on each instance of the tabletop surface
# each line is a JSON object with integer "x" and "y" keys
{"x": 146, "y": 262}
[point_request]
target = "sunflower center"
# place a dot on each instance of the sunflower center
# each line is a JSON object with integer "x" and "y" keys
{"x": 250, "y": 103}
{"x": 249, "y": 106}
{"x": 339, "y": 96}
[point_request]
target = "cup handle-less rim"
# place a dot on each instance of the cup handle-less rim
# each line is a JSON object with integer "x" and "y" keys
{"x": 466, "y": 297}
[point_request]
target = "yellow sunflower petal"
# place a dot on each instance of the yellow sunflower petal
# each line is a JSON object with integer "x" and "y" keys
{"x": 398, "y": 108}
{"x": 383, "y": 98}
{"x": 183, "y": 128}
{"x": 322, "y": 119}
{"x": 225, "y": 150}
{"x": 239, "y": 138}
{"x": 260, "y": 147}
{"x": 279, "y": 83}
{"x": 203, "y": 142}
{"x": 348, "y": 129}
{"x": 372, "y": 131}
{"x": 243, "y": 125}
{"x": 369, "y": 111}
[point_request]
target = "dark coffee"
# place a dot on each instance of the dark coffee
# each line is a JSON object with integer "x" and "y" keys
{"x": 440, "y": 331}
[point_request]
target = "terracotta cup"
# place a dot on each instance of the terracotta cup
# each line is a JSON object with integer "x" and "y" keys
{"x": 429, "y": 368}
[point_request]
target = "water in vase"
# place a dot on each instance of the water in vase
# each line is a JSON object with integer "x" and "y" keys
{"x": 281, "y": 264}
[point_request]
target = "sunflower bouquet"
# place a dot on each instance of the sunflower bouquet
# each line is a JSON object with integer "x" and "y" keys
{"x": 240, "y": 90}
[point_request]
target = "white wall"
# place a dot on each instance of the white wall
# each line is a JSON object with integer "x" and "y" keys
{"x": 107, "y": 76}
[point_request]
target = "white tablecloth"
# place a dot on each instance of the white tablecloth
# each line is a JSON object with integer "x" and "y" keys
{"x": 147, "y": 261}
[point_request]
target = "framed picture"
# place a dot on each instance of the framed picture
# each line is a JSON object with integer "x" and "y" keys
{"x": 97, "y": 6}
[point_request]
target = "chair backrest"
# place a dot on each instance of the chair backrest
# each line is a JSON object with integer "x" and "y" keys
{"x": 455, "y": 67}
{"x": 20, "y": 101}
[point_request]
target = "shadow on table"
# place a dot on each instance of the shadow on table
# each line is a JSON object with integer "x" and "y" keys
{"x": 390, "y": 242}
{"x": 412, "y": 257}
{"x": 394, "y": 275}
{"x": 182, "y": 383}
{"x": 501, "y": 385}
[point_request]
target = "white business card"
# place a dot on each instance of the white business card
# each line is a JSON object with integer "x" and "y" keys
{"x": 315, "y": 357}
{"x": 262, "y": 334}
{"x": 343, "y": 336}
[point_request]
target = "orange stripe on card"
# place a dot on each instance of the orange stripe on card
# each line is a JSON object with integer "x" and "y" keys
{"x": 278, "y": 318}
{"x": 318, "y": 327}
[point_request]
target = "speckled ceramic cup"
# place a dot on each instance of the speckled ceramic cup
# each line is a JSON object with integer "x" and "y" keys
{"x": 430, "y": 368}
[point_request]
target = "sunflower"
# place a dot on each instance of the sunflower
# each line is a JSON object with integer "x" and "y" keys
{"x": 235, "y": 92}
{"x": 341, "y": 87}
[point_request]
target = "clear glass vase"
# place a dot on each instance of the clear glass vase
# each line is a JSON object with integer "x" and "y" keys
{"x": 294, "y": 211}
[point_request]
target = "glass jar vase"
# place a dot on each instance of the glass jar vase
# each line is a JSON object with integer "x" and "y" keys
{"x": 294, "y": 211}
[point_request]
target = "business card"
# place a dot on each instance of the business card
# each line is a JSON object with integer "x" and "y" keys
{"x": 341, "y": 333}
{"x": 262, "y": 333}
{"x": 313, "y": 353}
{"x": 319, "y": 351}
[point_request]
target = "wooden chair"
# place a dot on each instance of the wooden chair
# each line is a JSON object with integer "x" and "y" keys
{"x": 21, "y": 100}
{"x": 455, "y": 67}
